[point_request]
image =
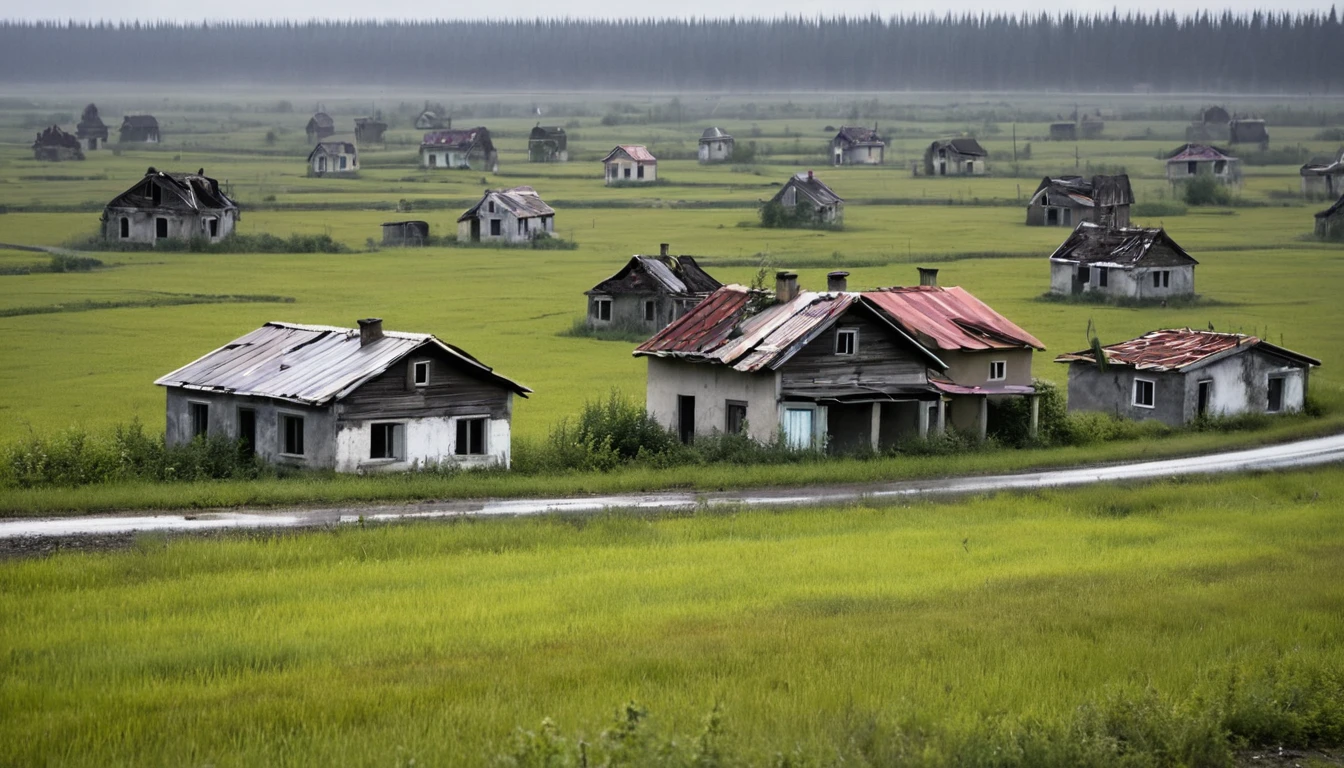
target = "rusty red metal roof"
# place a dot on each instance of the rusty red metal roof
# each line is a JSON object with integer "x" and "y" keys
{"x": 703, "y": 328}
{"x": 637, "y": 152}
{"x": 1175, "y": 349}
{"x": 950, "y": 318}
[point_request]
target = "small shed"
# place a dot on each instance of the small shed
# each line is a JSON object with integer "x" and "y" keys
{"x": 1323, "y": 177}
{"x": 1065, "y": 201}
{"x": 1245, "y": 130}
{"x": 856, "y": 145}
{"x": 161, "y": 205}
{"x": 510, "y": 215}
{"x": 405, "y": 233}
{"x": 648, "y": 293}
{"x": 345, "y": 399}
{"x": 547, "y": 144}
{"x": 54, "y": 145}
{"x": 1191, "y": 160}
{"x": 467, "y": 149}
{"x": 333, "y": 158}
{"x": 716, "y": 146}
{"x": 955, "y": 157}
{"x": 1092, "y": 126}
{"x": 1330, "y": 222}
{"x": 320, "y": 126}
{"x": 1176, "y": 376}
{"x": 369, "y": 130}
{"x": 1121, "y": 262}
{"x": 806, "y": 189}
{"x": 1064, "y": 131}
{"x": 630, "y": 163}
{"x": 139, "y": 128}
{"x": 91, "y": 131}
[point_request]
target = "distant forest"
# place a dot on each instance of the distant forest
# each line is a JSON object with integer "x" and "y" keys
{"x": 1256, "y": 53}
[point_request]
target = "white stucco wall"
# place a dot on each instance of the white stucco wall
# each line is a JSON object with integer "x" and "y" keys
{"x": 614, "y": 171}
{"x": 1128, "y": 283}
{"x": 142, "y": 226}
{"x": 425, "y": 441}
{"x": 712, "y": 386}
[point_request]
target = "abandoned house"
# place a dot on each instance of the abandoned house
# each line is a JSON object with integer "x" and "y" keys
{"x": 1121, "y": 262}
{"x": 1330, "y": 222}
{"x": 333, "y": 158}
{"x": 547, "y": 144}
{"x": 1323, "y": 177}
{"x": 1068, "y": 200}
{"x": 955, "y": 157}
{"x": 403, "y": 233}
{"x": 54, "y": 145}
{"x": 1211, "y": 124}
{"x": 170, "y": 205}
{"x": 856, "y": 145}
{"x": 807, "y": 190}
{"x": 1178, "y": 375}
{"x": 511, "y": 215}
{"x": 648, "y": 293}
{"x": 630, "y": 163}
{"x": 91, "y": 131}
{"x": 352, "y": 400}
{"x": 1092, "y": 126}
{"x": 139, "y": 128}
{"x": 369, "y": 130}
{"x": 1064, "y": 131}
{"x": 1191, "y": 160}
{"x": 468, "y": 149}
{"x": 431, "y": 120}
{"x": 716, "y": 146}
{"x": 1245, "y": 130}
{"x": 320, "y": 126}
{"x": 988, "y": 357}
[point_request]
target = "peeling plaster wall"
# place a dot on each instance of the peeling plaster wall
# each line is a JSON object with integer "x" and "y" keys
{"x": 1123, "y": 283}
{"x": 614, "y": 170}
{"x": 319, "y": 425}
{"x": 424, "y": 442}
{"x": 712, "y": 385}
{"x": 181, "y": 224}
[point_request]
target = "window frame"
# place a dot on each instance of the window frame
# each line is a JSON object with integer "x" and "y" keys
{"x": 394, "y": 448}
{"x": 416, "y": 367}
{"x": 1003, "y": 370}
{"x": 601, "y": 306}
{"x": 201, "y": 429}
{"x": 650, "y": 310}
{"x": 284, "y": 418}
{"x": 496, "y": 227}
{"x": 461, "y": 422}
{"x": 731, "y": 425}
{"x": 846, "y": 333}
{"x": 1152, "y": 393}
{"x": 1269, "y": 392}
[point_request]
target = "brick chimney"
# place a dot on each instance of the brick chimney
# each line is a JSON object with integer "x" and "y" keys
{"x": 786, "y": 286}
{"x": 928, "y": 276}
{"x": 662, "y": 249}
{"x": 836, "y": 282}
{"x": 370, "y": 330}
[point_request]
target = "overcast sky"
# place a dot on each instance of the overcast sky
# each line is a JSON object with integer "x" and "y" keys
{"x": 92, "y": 10}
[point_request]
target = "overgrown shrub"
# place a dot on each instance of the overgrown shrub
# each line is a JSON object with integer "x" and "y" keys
{"x": 1010, "y": 418}
{"x": 1154, "y": 209}
{"x": 776, "y": 215}
{"x": 235, "y": 243}
{"x": 64, "y": 262}
{"x": 1204, "y": 189}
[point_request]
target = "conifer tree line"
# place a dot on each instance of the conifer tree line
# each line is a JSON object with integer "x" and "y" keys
{"x": 1262, "y": 52}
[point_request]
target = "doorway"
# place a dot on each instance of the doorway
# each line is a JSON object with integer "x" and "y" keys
{"x": 247, "y": 431}
{"x": 475, "y": 230}
{"x": 686, "y": 418}
{"x": 1204, "y": 398}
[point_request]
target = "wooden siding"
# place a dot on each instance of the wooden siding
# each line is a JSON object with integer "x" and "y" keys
{"x": 882, "y": 359}
{"x": 450, "y": 392}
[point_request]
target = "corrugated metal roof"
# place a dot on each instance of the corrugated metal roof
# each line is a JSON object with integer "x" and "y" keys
{"x": 811, "y": 188}
{"x": 962, "y": 146}
{"x": 1124, "y": 247}
{"x": 1175, "y": 349}
{"x": 858, "y": 135}
{"x": 309, "y": 364}
{"x": 675, "y": 275}
{"x": 522, "y": 202}
{"x": 1187, "y": 152}
{"x": 637, "y": 152}
{"x": 711, "y": 134}
{"x": 703, "y": 328}
{"x": 950, "y": 318}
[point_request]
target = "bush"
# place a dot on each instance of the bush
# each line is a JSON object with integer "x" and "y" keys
{"x": 1159, "y": 208}
{"x": 1010, "y": 419}
{"x": 63, "y": 262}
{"x": 776, "y": 215}
{"x": 235, "y": 243}
{"x": 1204, "y": 189}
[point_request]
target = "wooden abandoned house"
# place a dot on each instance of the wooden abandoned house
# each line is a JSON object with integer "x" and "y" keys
{"x": 405, "y": 233}
{"x": 1323, "y": 177}
{"x": 142, "y": 129}
{"x": 631, "y": 163}
{"x": 807, "y": 190}
{"x": 1247, "y": 130}
{"x": 955, "y": 157}
{"x": 1191, "y": 160}
{"x": 369, "y": 130}
{"x": 509, "y": 215}
{"x": 1122, "y": 262}
{"x": 1065, "y": 201}
{"x": 333, "y": 158}
{"x": 856, "y": 145}
{"x": 1330, "y": 222}
{"x": 163, "y": 205}
{"x": 54, "y": 145}
{"x": 91, "y": 131}
{"x": 320, "y": 126}
{"x": 1178, "y": 375}
{"x": 467, "y": 149}
{"x": 1067, "y": 131}
{"x": 648, "y": 293}
{"x": 716, "y": 146}
{"x": 345, "y": 399}
{"x": 547, "y": 144}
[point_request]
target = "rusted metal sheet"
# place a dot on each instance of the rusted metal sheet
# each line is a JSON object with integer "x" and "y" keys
{"x": 522, "y": 202}
{"x": 1174, "y": 349}
{"x": 949, "y": 387}
{"x": 783, "y": 330}
{"x": 950, "y": 318}
{"x": 703, "y": 329}
{"x": 636, "y": 152}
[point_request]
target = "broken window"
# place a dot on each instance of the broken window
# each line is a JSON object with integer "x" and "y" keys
{"x": 213, "y": 226}
{"x": 200, "y": 418}
{"x": 125, "y": 227}
{"x": 648, "y": 310}
{"x": 1052, "y": 216}
{"x": 1275, "y": 394}
{"x": 385, "y": 441}
{"x": 247, "y": 430}
{"x": 1220, "y": 166}
{"x": 491, "y": 206}
{"x": 494, "y": 228}
{"x": 155, "y": 194}
{"x": 1083, "y": 274}
{"x": 735, "y": 417}
{"x": 420, "y": 373}
{"x": 470, "y": 437}
{"x": 998, "y": 370}
{"x": 1192, "y": 168}
{"x": 1103, "y": 275}
{"x": 160, "y": 227}
{"x": 1143, "y": 393}
{"x": 602, "y": 309}
{"x": 846, "y": 341}
{"x": 291, "y": 434}
{"x": 1205, "y": 397}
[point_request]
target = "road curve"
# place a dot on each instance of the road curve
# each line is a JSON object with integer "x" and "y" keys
{"x": 1303, "y": 453}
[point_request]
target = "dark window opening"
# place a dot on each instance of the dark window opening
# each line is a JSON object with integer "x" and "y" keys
{"x": 1084, "y": 274}
{"x": 155, "y": 194}
{"x": 291, "y": 435}
{"x": 470, "y": 437}
{"x": 1162, "y": 279}
{"x": 648, "y": 310}
{"x": 1275, "y": 394}
{"x": 1051, "y": 216}
{"x": 494, "y": 228}
{"x": 735, "y": 417}
{"x": 421, "y": 373}
{"x": 200, "y": 419}
{"x": 247, "y": 430}
{"x": 160, "y": 227}
{"x": 1220, "y": 166}
{"x": 1205, "y": 396}
{"x": 492, "y": 206}
{"x": 686, "y": 418}
{"x": 640, "y": 172}
{"x": 1102, "y": 275}
{"x": 1192, "y": 168}
{"x": 627, "y": 172}
{"x": 125, "y": 227}
{"x": 385, "y": 441}
{"x": 214, "y": 228}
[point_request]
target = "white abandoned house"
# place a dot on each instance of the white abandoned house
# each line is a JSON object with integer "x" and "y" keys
{"x": 806, "y": 189}
{"x": 512, "y": 215}
{"x": 856, "y": 145}
{"x": 1191, "y": 160}
{"x": 649, "y": 292}
{"x": 716, "y": 146}
{"x": 1069, "y": 200}
{"x": 91, "y": 131}
{"x": 1178, "y": 375}
{"x": 630, "y": 163}
{"x": 468, "y": 149}
{"x": 139, "y": 129}
{"x": 370, "y": 130}
{"x": 320, "y": 126}
{"x": 402, "y": 233}
{"x": 1323, "y": 177}
{"x": 352, "y": 400}
{"x": 54, "y": 145}
{"x": 1122, "y": 262}
{"x": 170, "y": 205}
{"x": 955, "y": 157}
{"x": 548, "y": 144}
{"x": 1330, "y": 222}
{"x": 333, "y": 158}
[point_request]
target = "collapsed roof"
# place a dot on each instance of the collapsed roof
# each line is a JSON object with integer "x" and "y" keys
{"x": 1122, "y": 247}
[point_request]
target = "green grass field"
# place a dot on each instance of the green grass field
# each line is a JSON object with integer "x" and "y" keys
{"x": 1162, "y": 624}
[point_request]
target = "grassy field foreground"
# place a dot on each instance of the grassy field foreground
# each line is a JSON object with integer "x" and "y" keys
{"x": 1160, "y": 624}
